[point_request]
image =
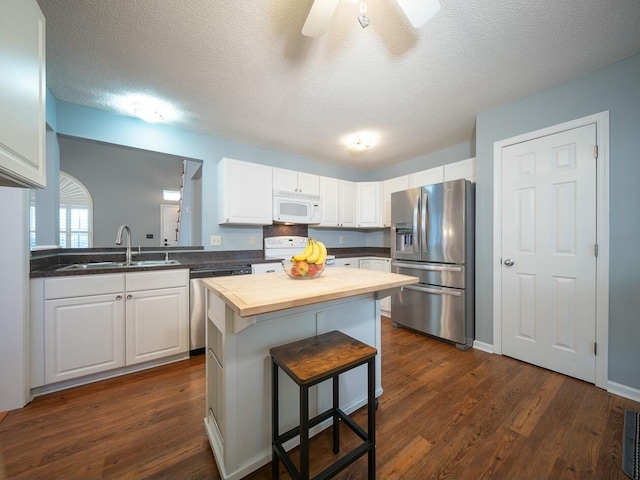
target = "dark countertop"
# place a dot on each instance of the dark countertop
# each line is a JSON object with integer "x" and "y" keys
{"x": 45, "y": 263}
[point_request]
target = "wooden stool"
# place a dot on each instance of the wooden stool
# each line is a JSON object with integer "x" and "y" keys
{"x": 309, "y": 362}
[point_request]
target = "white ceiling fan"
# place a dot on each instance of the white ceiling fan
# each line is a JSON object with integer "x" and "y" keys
{"x": 417, "y": 11}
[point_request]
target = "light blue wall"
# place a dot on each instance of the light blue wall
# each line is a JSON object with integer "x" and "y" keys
{"x": 615, "y": 88}
{"x": 77, "y": 121}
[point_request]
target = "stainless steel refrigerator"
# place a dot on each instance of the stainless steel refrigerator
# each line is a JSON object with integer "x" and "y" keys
{"x": 432, "y": 237}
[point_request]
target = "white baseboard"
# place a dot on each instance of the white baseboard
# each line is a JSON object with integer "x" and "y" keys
{"x": 623, "y": 391}
{"x": 485, "y": 347}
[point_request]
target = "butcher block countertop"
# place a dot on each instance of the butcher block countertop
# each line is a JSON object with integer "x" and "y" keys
{"x": 250, "y": 295}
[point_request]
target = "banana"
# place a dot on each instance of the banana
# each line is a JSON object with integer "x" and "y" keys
{"x": 315, "y": 254}
{"x": 308, "y": 249}
{"x": 323, "y": 254}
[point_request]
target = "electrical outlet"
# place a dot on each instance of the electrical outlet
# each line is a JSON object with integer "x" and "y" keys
{"x": 252, "y": 240}
{"x": 216, "y": 240}
{"x": 341, "y": 240}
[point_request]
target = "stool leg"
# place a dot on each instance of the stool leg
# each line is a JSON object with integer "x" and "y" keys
{"x": 371, "y": 416}
{"x": 304, "y": 433}
{"x": 275, "y": 460}
{"x": 336, "y": 423}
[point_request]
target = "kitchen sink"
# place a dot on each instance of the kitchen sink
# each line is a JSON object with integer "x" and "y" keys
{"x": 104, "y": 265}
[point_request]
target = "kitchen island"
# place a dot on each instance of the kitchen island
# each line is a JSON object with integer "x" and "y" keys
{"x": 249, "y": 314}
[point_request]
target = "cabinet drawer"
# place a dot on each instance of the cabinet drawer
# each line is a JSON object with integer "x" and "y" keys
{"x": 83, "y": 285}
{"x": 157, "y": 279}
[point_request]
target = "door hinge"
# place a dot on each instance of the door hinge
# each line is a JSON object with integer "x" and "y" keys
{"x": 595, "y": 249}
{"x": 595, "y": 151}
{"x": 595, "y": 348}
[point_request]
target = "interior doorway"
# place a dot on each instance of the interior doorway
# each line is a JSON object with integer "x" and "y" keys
{"x": 169, "y": 225}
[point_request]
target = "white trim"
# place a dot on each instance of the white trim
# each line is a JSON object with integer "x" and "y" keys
{"x": 602, "y": 236}
{"x": 484, "y": 347}
{"x": 624, "y": 391}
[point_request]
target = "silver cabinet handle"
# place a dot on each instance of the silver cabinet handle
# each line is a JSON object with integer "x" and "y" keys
{"x": 129, "y": 297}
{"x": 509, "y": 262}
{"x": 119, "y": 297}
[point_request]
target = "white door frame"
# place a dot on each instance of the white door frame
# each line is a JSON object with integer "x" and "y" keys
{"x": 602, "y": 233}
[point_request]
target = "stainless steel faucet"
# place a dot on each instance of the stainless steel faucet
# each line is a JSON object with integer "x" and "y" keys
{"x": 119, "y": 240}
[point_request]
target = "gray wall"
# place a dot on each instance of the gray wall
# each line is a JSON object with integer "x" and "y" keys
{"x": 126, "y": 185}
{"x": 615, "y": 88}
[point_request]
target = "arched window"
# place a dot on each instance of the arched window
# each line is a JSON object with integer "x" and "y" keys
{"x": 76, "y": 213}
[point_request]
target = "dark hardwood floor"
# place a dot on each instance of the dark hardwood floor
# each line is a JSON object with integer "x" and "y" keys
{"x": 443, "y": 414}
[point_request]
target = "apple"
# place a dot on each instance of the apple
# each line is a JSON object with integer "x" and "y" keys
{"x": 302, "y": 268}
{"x": 313, "y": 269}
{"x": 294, "y": 272}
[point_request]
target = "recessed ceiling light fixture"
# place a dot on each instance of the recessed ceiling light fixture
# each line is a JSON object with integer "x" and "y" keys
{"x": 147, "y": 108}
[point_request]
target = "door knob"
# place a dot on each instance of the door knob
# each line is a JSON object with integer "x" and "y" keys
{"x": 509, "y": 262}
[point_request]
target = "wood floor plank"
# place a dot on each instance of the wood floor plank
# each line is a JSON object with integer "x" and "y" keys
{"x": 443, "y": 414}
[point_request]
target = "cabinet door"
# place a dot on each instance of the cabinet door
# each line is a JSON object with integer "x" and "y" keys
{"x": 347, "y": 204}
{"x": 368, "y": 205}
{"x": 83, "y": 335}
{"x": 465, "y": 169}
{"x": 157, "y": 324}
{"x": 23, "y": 93}
{"x": 308, "y": 183}
{"x": 329, "y": 196}
{"x": 381, "y": 265}
{"x": 266, "y": 268}
{"x": 390, "y": 186}
{"x": 426, "y": 177}
{"x": 286, "y": 180}
{"x": 346, "y": 262}
{"x": 245, "y": 193}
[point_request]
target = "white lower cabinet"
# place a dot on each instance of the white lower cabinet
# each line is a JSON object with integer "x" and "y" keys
{"x": 346, "y": 262}
{"x": 88, "y": 324}
{"x": 157, "y": 324}
{"x": 83, "y": 335}
{"x": 266, "y": 268}
{"x": 382, "y": 265}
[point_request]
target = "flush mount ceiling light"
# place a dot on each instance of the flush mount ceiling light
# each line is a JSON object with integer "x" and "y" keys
{"x": 147, "y": 108}
{"x": 360, "y": 141}
{"x": 418, "y": 12}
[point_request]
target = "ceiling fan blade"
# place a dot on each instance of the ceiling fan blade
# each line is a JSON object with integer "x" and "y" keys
{"x": 319, "y": 17}
{"x": 419, "y": 12}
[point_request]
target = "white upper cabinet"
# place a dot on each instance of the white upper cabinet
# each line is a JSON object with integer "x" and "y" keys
{"x": 388, "y": 187}
{"x": 368, "y": 214}
{"x": 297, "y": 182}
{"x": 22, "y": 95}
{"x": 245, "y": 195}
{"x": 338, "y": 199}
{"x": 426, "y": 177}
{"x": 464, "y": 169}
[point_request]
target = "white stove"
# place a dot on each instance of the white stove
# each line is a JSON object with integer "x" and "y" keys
{"x": 281, "y": 248}
{"x": 284, "y": 247}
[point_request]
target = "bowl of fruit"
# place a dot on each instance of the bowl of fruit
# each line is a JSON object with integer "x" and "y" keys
{"x": 309, "y": 263}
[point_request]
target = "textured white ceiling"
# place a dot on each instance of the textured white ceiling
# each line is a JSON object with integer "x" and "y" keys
{"x": 241, "y": 70}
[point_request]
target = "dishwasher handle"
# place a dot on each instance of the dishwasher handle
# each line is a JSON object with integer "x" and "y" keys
{"x": 436, "y": 290}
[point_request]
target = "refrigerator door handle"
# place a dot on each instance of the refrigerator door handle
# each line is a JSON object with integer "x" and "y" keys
{"x": 424, "y": 222}
{"x": 431, "y": 268}
{"x": 416, "y": 215}
{"x": 437, "y": 291}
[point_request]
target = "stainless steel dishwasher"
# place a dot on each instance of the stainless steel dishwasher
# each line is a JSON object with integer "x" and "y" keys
{"x": 197, "y": 296}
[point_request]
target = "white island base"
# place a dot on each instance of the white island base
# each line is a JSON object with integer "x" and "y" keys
{"x": 238, "y": 420}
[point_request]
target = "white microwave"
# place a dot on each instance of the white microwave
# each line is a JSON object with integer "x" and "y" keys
{"x": 290, "y": 207}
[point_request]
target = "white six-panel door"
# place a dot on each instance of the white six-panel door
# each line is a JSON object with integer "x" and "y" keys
{"x": 548, "y": 242}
